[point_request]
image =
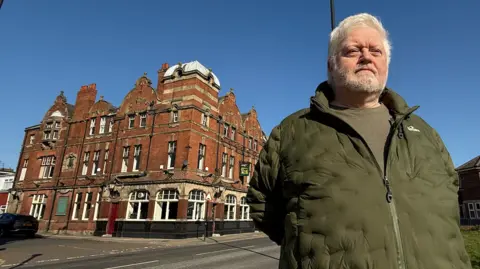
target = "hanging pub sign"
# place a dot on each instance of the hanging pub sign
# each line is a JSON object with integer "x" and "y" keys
{"x": 244, "y": 169}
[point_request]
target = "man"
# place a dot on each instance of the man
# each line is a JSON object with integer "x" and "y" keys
{"x": 358, "y": 180}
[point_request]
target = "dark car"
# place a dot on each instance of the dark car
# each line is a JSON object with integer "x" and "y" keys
{"x": 18, "y": 224}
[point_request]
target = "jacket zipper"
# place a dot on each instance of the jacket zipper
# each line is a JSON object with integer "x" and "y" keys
{"x": 401, "y": 262}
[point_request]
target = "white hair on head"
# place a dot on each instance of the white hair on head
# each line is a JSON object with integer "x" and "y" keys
{"x": 345, "y": 26}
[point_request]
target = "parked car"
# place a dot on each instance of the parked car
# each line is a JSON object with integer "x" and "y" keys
{"x": 18, "y": 224}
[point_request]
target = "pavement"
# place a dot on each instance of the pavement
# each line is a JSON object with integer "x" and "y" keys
{"x": 252, "y": 250}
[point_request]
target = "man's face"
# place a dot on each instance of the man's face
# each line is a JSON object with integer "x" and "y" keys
{"x": 361, "y": 64}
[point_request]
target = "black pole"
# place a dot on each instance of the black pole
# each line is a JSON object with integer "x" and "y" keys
{"x": 1, "y": 3}
{"x": 332, "y": 14}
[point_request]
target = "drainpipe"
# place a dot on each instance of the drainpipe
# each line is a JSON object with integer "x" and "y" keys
{"x": 76, "y": 176}
{"x": 150, "y": 140}
{"x": 110, "y": 171}
{"x": 58, "y": 177}
{"x": 219, "y": 121}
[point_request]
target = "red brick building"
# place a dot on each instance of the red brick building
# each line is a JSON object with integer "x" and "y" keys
{"x": 159, "y": 165}
{"x": 469, "y": 191}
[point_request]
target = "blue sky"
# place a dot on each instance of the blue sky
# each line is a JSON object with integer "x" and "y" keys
{"x": 273, "y": 53}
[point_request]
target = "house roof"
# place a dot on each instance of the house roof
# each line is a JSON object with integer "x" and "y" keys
{"x": 472, "y": 164}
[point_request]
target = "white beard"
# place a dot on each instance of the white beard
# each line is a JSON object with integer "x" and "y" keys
{"x": 364, "y": 81}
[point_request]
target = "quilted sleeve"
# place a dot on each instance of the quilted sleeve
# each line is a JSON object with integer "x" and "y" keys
{"x": 264, "y": 196}
{"x": 446, "y": 158}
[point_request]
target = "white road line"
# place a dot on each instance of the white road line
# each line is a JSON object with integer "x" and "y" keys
{"x": 51, "y": 260}
{"x": 128, "y": 265}
{"x": 77, "y": 257}
{"x": 8, "y": 265}
{"x": 216, "y": 251}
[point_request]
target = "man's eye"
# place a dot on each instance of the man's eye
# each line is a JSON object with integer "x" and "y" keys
{"x": 352, "y": 52}
{"x": 376, "y": 52}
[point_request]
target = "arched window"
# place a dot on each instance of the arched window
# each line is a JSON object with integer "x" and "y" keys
{"x": 137, "y": 205}
{"x": 166, "y": 205}
{"x": 230, "y": 208}
{"x": 245, "y": 209}
{"x": 196, "y": 205}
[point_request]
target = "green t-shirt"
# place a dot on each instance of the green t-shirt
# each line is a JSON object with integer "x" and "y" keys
{"x": 371, "y": 123}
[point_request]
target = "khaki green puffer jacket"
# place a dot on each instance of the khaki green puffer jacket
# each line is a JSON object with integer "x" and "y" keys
{"x": 318, "y": 192}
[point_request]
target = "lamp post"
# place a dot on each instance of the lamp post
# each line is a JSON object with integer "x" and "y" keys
{"x": 332, "y": 14}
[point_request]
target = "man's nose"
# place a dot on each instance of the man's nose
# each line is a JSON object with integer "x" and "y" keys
{"x": 366, "y": 56}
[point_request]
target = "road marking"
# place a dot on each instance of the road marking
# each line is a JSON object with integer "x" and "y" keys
{"x": 216, "y": 251}
{"x": 51, "y": 260}
{"x": 77, "y": 257}
{"x": 128, "y": 265}
{"x": 8, "y": 265}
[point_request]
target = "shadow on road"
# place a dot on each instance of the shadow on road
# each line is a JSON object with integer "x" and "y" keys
{"x": 15, "y": 237}
{"x": 25, "y": 261}
{"x": 259, "y": 253}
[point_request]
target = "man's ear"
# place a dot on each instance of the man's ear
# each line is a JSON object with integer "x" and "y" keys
{"x": 329, "y": 64}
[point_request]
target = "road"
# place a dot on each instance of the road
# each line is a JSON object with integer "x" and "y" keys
{"x": 84, "y": 254}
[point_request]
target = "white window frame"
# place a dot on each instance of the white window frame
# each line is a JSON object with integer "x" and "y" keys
{"x": 249, "y": 143}
{"x": 165, "y": 197}
{"x": 201, "y": 156}
{"x": 471, "y": 211}
{"x": 32, "y": 139}
{"x": 172, "y": 152}
{"x": 225, "y": 130}
{"x": 175, "y": 116}
{"x": 105, "y": 161}
{"x": 233, "y": 132}
{"x": 23, "y": 172}
{"x": 96, "y": 159}
{"x": 87, "y": 205}
{"x": 55, "y": 134}
{"x": 96, "y": 210}
{"x": 230, "y": 207}
{"x": 47, "y": 166}
{"x": 125, "y": 155}
{"x": 205, "y": 119}
{"x": 245, "y": 209}
{"x": 131, "y": 121}
{"x": 92, "y": 126}
{"x": 477, "y": 209}
{"x": 103, "y": 123}
{"x": 135, "y": 199}
{"x": 224, "y": 164}
{"x": 77, "y": 205}
{"x": 86, "y": 160}
{"x": 231, "y": 166}
{"x": 37, "y": 209}
{"x": 196, "y": 201}
{"x": 137, "y": 151}
{"x": 143, "y": 119}
{"x": 255, "y": 145}
{"x": 47, "y": 135}
{"x": 110, "y": 125}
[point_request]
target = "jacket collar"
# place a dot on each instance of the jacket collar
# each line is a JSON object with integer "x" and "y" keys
{"x": 393, "y": 101}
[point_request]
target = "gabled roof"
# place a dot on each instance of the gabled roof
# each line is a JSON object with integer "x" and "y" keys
{"x": 472, "y": 164}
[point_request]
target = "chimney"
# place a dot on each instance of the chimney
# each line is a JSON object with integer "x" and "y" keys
{"x": 161, "y": 73}
{"x": 85, "y": 100}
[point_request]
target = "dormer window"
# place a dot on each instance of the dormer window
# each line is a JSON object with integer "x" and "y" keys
{"x": 225, "y": 130}
{"x": 204, "y": 119}
{"x": 92, "y": 126}
{"x": 131, "y": 121}
{"x": 232, "y": 135}
{"x": 175, "y": 116}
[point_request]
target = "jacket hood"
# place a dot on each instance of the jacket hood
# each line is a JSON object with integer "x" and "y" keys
{"x": 324, "y": 94}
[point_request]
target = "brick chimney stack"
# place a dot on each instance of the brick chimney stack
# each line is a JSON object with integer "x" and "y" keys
{"x": 161, "y": 73}
{"x": 85, "y": 100}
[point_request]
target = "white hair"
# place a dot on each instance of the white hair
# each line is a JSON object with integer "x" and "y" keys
{"x": 338, "y": 35}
